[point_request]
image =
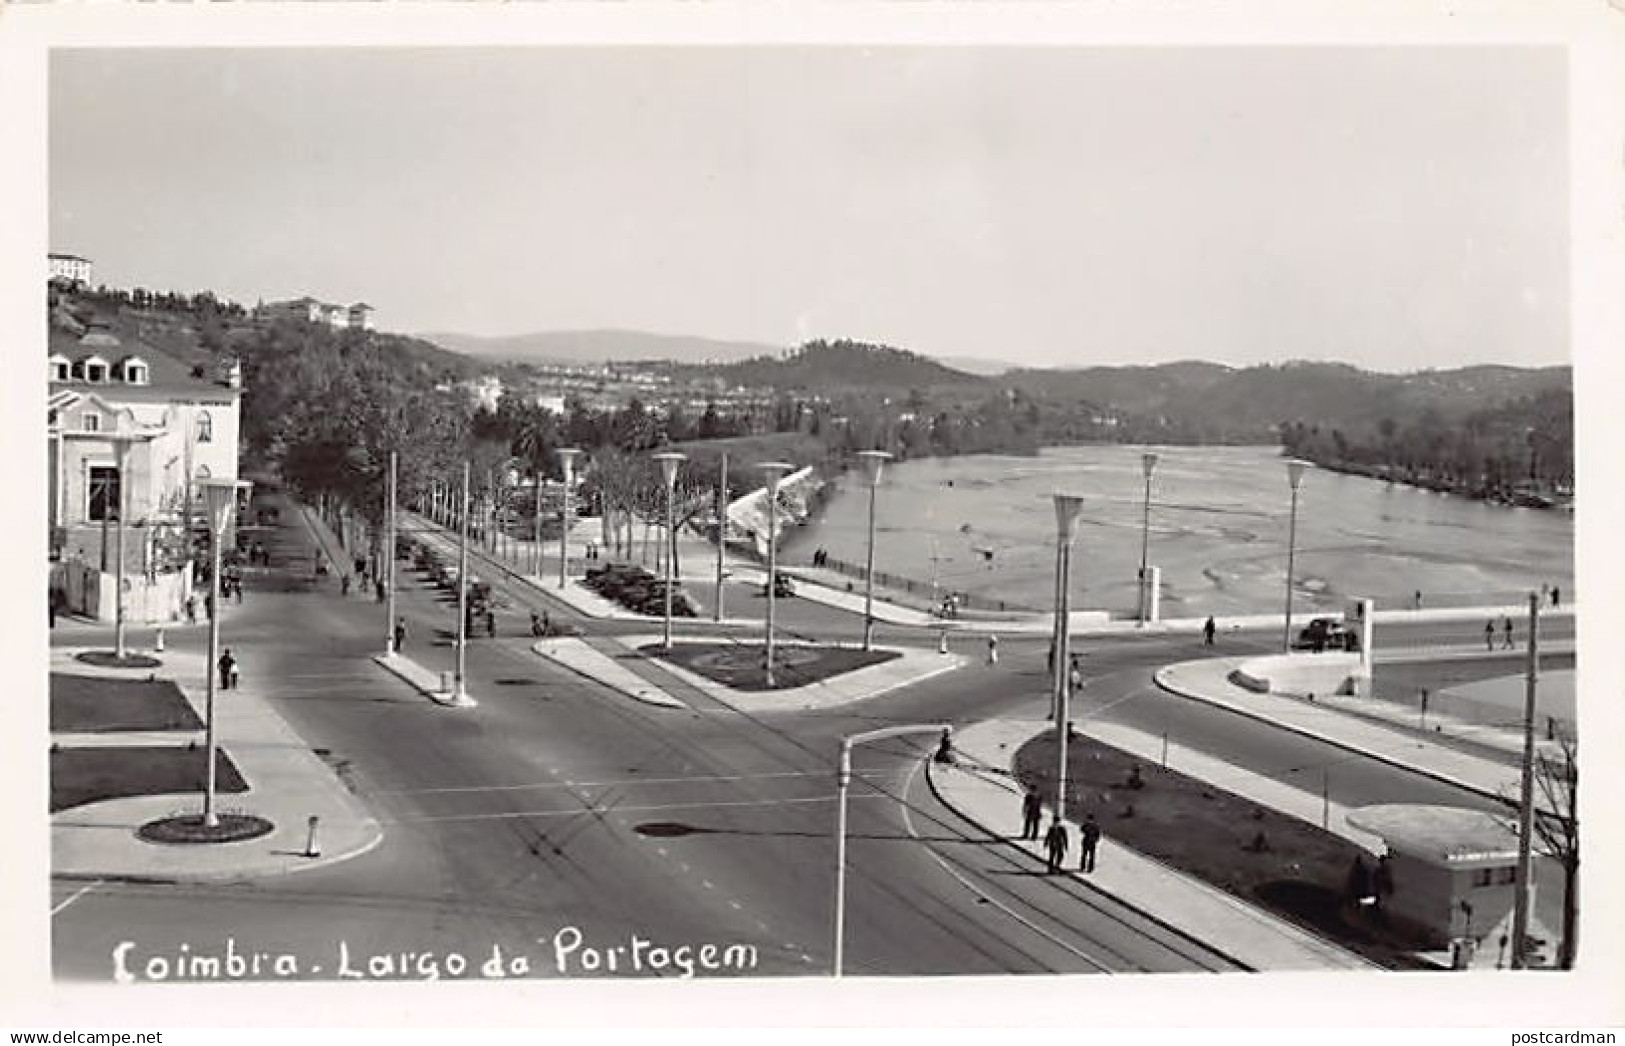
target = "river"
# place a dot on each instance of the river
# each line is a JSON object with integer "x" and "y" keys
{"x": 1219, "y": 520}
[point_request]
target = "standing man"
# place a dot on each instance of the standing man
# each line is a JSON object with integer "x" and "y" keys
{"x": 1032, "y": 813}
{"x": 1489, "y": 634}
{"x": 1506, "y": 629}
{"x": 226, "y": 664}
{"x": 1208, "y": 628}
{"x": 1055, "y": 845}
{"x": 400, "y": 634}
{"x": 1090, "y": 840}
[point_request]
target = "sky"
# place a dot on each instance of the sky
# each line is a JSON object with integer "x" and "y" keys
{"x": 1396, "y": 208}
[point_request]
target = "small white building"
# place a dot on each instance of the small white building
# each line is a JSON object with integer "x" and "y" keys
{"x": 69, "y": 268}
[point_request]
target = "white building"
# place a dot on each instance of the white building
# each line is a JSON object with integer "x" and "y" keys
{"x": 69, "y": 268}
{"x": 311, "y": 310}
{"x": 184, "y": 423}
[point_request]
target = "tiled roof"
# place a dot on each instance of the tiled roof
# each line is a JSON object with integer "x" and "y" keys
{"x": 166, "y": 376}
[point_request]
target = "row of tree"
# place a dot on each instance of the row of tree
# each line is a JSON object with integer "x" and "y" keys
{"x": 1518, "y": 450}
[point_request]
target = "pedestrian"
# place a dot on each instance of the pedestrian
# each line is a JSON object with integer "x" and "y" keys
{"x": 1489, "y": 634}
{"x": 1554, "y": 595}
{"x": 490, "y": 624}
{"x": 225, "y": 664}
{"x": 1074, "y": 674}
{"x": 1506, "y": 629}
{"x": 237, "y": 588}
{"x": 1089, "y": 842}
{"x": 1416, "y": 600}
{"x": 992, "y": 649}
{"x": 400, "y": 634}
{"x": 1055, "y": 845}
{"x": 191, "y": 610}
{"x": 233, "y": 684}
{"x": 1208, "y": 628}
{"x": 378, "y": 589}
{"x": 1032, "y": 813}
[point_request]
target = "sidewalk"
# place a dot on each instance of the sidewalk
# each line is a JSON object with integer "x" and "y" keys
{"x": 1329, "y": 720}
{"x": 981, "y": 788}
{"x": 288, "y": 783}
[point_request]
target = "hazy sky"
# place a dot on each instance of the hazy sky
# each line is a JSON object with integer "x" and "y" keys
{"x": 1395, "y": 208}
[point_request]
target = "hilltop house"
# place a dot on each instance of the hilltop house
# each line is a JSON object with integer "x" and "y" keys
{"x": 183, "y": 424}
{"x": 69, "y": 269}
{"x": 342, "y": 317}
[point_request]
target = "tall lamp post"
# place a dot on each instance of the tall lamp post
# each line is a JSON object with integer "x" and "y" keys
{"x": 843, "y": 782}
{"x": 1148, "y": 461}
{"x": 389, "y": 559}
{"x": 722, "y": 529}
{"x": 774, "y": 471}
{"x": 121, "y": 454}
{"x": 567, "y": 457}
{"x": 459, "y": 694}
{"x": 1067, "y": 507}
{"x": 873, "y": 461}
{"x": 669, "y": 460}
{"x": 220, "y": 496}
{"x": 1294, "y": 476}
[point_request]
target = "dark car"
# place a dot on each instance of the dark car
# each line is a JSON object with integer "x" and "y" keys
{"x": 783, "y": 585}
{"x": 1326, "y": 633}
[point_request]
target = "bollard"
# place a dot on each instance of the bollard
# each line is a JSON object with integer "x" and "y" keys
{"x": 310, "y": 840}
{"x": 942, "y": 642}
{"x": 158, "y": 640}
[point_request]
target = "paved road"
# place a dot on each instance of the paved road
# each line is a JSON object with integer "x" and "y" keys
{"x": 558, "y": 804}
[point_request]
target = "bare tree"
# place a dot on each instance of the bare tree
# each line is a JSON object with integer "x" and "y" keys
{"x": 1557, "y": 825}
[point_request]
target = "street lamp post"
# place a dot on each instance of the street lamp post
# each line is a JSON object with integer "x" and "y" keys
{"x": 774, "y": 471}
{"x": 567, "y": 456}
{"x": 121, "y": 454}
{"x": 459, "y": 694}
{"x": 722, "y": 529}
{"x": 1148, "y": 461}
{"x": 843, "y": 782}
{"x": 1067, "y": 507}
{"x": 1294, "y": 476}
{"x": 873, "y": 461}
{"x": 669, "y": 461}
{"x": 389, "y": 559}
{"x": 220, "y": 495}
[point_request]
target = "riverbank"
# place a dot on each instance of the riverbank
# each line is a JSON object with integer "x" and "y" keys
{"x": 1544, "y": 496}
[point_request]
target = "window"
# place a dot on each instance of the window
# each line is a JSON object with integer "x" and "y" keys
{"x": 103, "y": 495}
{"x": 1506, "y": 876}
{"x": 90, "y": 422}
{"x": 1483, "y": 876}
{"x": 60, "y": 370}
{"x": 205, "y": 427}
{"x": 95, "y": 371}
{"x": 135, "y": 373}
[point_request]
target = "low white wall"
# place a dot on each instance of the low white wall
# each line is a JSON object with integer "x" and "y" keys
{"x": 94, "y": 594}
{"x": 1326, "y": 673}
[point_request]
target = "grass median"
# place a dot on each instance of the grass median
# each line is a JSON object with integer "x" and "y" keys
{"x": 741, "y": 665}
{"x": 1291, "y": 868}
{"x": 90, "y": 775}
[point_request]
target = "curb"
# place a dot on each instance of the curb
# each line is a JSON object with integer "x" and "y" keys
{"x": 931, "y": 782}
{"x": 669, "y": 702}
{"x": 1442, "y": 778}
{"x": 382, "y": 661}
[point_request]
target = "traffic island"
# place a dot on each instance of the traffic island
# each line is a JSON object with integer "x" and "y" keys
{"x": 743, "y": 667}
{"x": 110, "y": 659}
{"x": 1284, "y": 865}
{"x": 188, "y": 829}
{"x": 90, "y": 775}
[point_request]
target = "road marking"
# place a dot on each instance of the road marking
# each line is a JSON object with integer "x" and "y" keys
{"x": 699, "y": 778}
{"x": 76, "y": 895}
{"x": 627, "y": 809}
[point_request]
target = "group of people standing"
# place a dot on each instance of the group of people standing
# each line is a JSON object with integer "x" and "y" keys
{"x": 1056, "y": 840}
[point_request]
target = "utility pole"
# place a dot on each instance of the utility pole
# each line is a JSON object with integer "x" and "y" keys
{"x": 722, "y": 530}
{"x": 1526, "y": 796}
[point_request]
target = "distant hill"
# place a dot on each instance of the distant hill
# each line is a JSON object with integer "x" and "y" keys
{"x": 601, "y": 346}
{"x": 838, "y": 366}
{"x": 1218, "y": 402}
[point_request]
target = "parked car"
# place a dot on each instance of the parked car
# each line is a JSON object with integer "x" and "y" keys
{"x": 1326, "y": 633}
{"x": 783, "y": 585}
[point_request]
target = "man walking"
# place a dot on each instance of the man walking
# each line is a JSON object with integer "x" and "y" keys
{"x": 1055, "y": 845}
{"x": 1090, "y": 840}
{"x": 400, "y": 634}
{"x": 1489, "y": 634}
{"x": 1506, "y": 629}
{"x": 226, "y": 664}
{"x": 1208, "y": 628}
{"x": 1032, "y": 813}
